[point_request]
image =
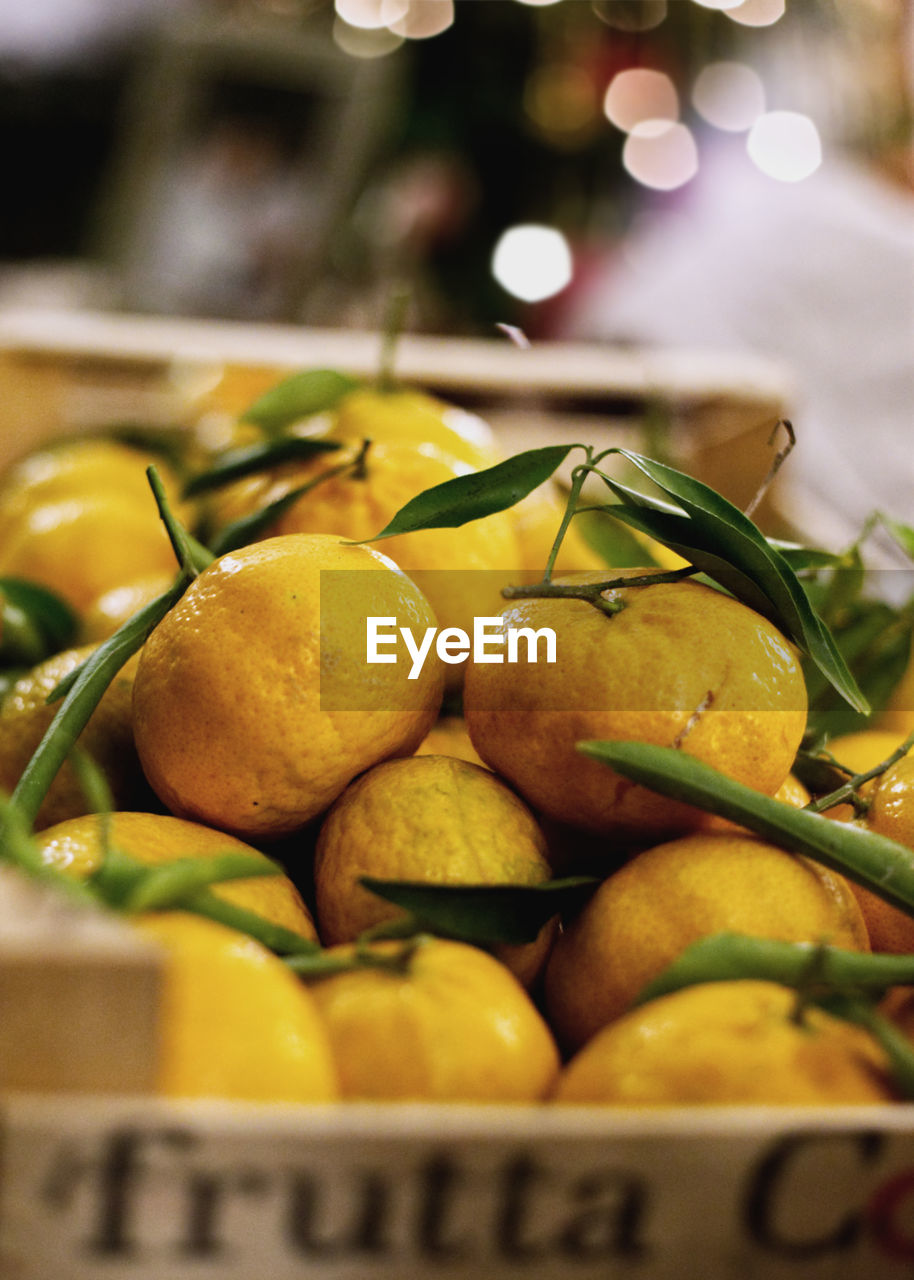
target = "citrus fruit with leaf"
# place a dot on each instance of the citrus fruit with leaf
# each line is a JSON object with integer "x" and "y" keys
{"x": 234, "y": 1021}
{"x": 429, "y": 819}
{"x": 77, "y": 847}
{"x": 673, "y": 664}
{"x": 646, "y": 913}
{"x": 460, "y": 570}
{"x": 254, "y": 705}
{"x": 414, "y": 417}
{"x": 434, "y": 1020}
{"x": 739, "y": 1042}
{"x": 25, "y": 716}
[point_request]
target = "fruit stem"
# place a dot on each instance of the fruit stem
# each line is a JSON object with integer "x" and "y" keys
{"x": 848, "y": 792}
{"x": 394, "y": 322}
{"x": 593, "y": 591}
{"x": 578, "y": 476}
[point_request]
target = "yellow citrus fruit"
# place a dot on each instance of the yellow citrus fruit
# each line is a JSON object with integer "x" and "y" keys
{"x": 680, "y": 664}
{"x": 727, "y": 1043}
{"x": 891, "y": 814}
{"x": 82, "y": 545}
{"x": 118, "y": 604}
{"x": 452, "y": 1025}
{"x": 108, "y": 737}
{"x": 460, "y": 571}
{"x": 433, "y": 819}
{"x": 448, "y": 737}
{"x": 645, "y": 914}
{"x": 254, "y": 705}
{"x": 78, "y": 468}
{"x": 235, "y": 1022}
{"x": 414, "y": 417}
{"x": 76, "y": 846}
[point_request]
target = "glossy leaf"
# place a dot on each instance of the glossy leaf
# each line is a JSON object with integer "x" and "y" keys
{"x": 482, "y": 493}
{"x": 724, "y": 534}
{"x": 484, "y": 913}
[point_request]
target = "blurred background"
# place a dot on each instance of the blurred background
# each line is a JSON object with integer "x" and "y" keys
{"x": 735, "y": 174}
{"x": 289, "y": 159}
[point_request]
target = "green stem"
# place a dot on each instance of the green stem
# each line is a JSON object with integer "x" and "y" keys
{"x": 848, "y": 791}
{"x": 578, "y": 477}
{"x": 592, "y": 591}
{"x": 324, "y": 964}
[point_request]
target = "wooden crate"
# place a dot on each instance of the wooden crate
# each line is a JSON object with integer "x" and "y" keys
{"x": 100, "y": 1180}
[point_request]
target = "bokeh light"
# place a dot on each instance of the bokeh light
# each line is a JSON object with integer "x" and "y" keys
{"x": 718, "y": 4}
{"x": 660, "y": 154}
{"x": 729, "y": 95}
{"x": 640, "y": 94}
{"x": 537, "y": 4}
{"x": 785, "y": 145}
{"x": 371, "y": 13}
{"x": 532, "y": 262}
{"x": 424, "y": 18}
{"x": 758, "y": 13}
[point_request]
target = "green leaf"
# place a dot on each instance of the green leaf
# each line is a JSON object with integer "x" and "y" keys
{"x": 36, "y": 622}
{"x": 235, "y": 464}
{"x": 482, "y": 493}
{"x": 879, "y": 864}
{"x": 744, "y": 555}
{"x": 875, "y": 641}
{"x": 299, "y": 396}
{"x": 484, "y": 914}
